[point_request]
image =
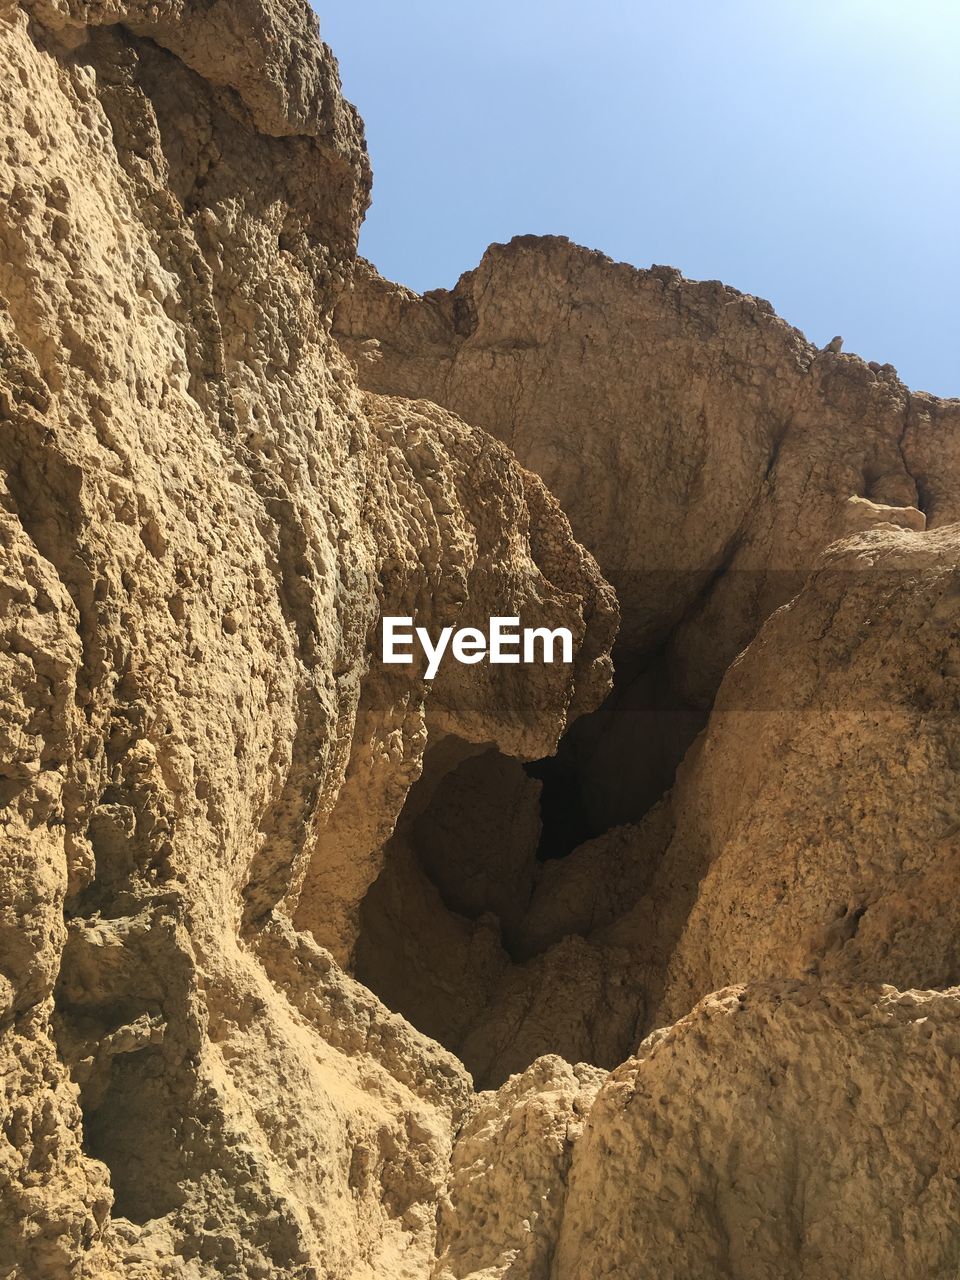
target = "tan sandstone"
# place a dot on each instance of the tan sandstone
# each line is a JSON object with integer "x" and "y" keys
{"x": 270, "y": 910}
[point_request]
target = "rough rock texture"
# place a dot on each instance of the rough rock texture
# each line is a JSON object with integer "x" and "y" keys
{"x": 703, "y": 450}
{"x": 509, "y": 1172}
{"x": 709, "y": 455}
{"x": 836, "y": 853}
{"x": 224, "y": 824}
{"x": 812, "y": 829}
{"x": 777, "y": 1130}
{"x": 203, "y": 520}
{"x": 685, "y": 428}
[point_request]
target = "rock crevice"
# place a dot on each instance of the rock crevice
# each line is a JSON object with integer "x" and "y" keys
{"x": 271, "y": 911}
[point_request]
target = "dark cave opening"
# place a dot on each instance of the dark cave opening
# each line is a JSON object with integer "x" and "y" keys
{"x": 462, "y": 933}
{"x": 565, "y": 821}
{"x": 122, "y": 985}
{"x": 614, "y": 764}
{"x": 135, "y": 1129}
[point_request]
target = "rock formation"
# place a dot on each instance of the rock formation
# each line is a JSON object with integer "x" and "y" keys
{"x": 270, "y": 910}
{"x": 786, "y": 1130}
{"x": 204, "y": 519}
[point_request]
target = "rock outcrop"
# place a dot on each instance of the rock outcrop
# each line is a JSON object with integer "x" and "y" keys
{"x": 203, "y": 521}
{"x": 782, "y": 1130}
{"x": 270, "y": 909}
{"x": 704, "y": 451}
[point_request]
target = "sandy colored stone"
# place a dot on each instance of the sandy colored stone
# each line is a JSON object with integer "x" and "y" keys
{"x": 435, "y": 966}
{"x": 511, "y": 556}
{"x": 203, "y": 521}
{"x": 509, "y": 1169}
{"x": 216, "y": 801}
{"x": 703, "y": 449}
{"x": 835, "y": 851}
{"x": 811, "y": 829}
{"x": 488, "y": 865}
{"x": 792, "y": 1130}
{"x": 581, "y": 998}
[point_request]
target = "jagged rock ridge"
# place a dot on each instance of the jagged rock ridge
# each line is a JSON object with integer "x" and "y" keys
{"x": 220, "y": 813}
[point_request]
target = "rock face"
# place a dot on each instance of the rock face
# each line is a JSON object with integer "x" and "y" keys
{"x": 703, "y": 450}
{"x": 507, "y": 1190}
{"x": 203, "y": 521}
{"x": 782, "y": 1130}
{"x": 227, "y": 450}
{"x": 835, "y": 853}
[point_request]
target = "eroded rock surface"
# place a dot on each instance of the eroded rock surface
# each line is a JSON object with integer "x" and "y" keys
{"x": 787, "y": 1130}
{"x": 224, "y": 824}
{"x": 203, "y": 521}
{"x": 704, "y": 451}
{"x": 509, "y": 1174}
{"x": 685, "y": 428}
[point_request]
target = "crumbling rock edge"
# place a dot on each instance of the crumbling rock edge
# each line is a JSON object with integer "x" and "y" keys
{"x": 225, "y": 451}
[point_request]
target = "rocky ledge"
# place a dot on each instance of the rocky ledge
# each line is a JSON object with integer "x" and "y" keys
{"x": 639, "y": 966}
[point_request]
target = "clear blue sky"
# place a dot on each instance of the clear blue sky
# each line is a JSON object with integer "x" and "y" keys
{"x": 804, "y": 150}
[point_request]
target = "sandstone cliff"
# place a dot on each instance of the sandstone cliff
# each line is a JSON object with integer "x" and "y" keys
{"x": 204, "y": 519}
{"x": 266, "y": 903}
